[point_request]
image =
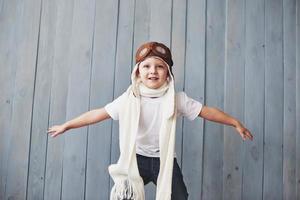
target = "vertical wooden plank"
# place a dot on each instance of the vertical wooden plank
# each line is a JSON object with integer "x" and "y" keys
{"x": 74, "y": 163}
{"x": 297, "y": 99}
{"x": 234, "y": 98}
{"x": 254, "y": 100}
{"x": 9, "y": 18}
{"x": 141, "y": 24}
{"x": 26, "y": 52}
{"x": 289, "y": 109}
{"x": 160, "y": 21}
{"x": 273, "y": 101}
{"x": 38, "y": 144}
{"x": 59, "y": 89}
{"x": 102, "y": 84}
{"x": 178, "y": 54}
{"x": 194, "y": 70}
{"x": 214, "y": 96}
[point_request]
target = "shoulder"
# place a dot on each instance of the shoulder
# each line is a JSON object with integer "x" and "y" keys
{"x": 180, "y": 96}
{"x": 187, "y": 106}
{"x": 113, "y": 108}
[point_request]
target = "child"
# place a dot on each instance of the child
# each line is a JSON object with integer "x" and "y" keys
{"x": 147, "y": 114}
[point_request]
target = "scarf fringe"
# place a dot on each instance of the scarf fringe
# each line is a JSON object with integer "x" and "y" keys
{"x": 126, "y": 190}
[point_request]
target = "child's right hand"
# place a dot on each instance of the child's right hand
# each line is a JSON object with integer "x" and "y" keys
{"x": 56, "y": 130}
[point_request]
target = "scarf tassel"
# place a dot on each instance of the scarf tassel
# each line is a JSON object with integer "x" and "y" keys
{"x": 125, "y": 190}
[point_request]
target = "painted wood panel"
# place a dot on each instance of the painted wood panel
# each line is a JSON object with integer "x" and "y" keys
{"x": 234, "y": 98}
{"x": 41, "y": 101}
{"x": 75, "y": 150}
{"x": 8, "y": 21}
{"x": 26, "y": 38}
{"x": 103, "y": 69}
{"x": 59, "y": 59}
{"x": 214, "y": 96}
{"x": 254, "y": 99}
{"x": 177, "y": 46}
{"x": 194, "y": 70}
{"x": 58, "y": 99}
{"x": 297, "y": 100}
{"x": 274, "y": 95}
{"x": 289, "y": 112}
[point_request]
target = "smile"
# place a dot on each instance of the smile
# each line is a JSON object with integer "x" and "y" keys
{"x": 153, "y": 78}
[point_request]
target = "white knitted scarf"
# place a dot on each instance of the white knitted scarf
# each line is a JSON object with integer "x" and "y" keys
{"x": 125, "y": 173}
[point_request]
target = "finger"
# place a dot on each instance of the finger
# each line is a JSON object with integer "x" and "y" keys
{"x": 242, "y": 135}
{"x": 55, "y": 134}
{"x": 249, "y": 135}
{"x": 50, "y": 131}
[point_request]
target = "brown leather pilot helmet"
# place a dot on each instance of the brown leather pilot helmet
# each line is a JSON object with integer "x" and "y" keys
{"x": 154, "y": 49}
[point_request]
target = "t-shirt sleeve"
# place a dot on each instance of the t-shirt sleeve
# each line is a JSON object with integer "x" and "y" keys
{"x": 113, "y": 108}
{"x": 187, "y": 106}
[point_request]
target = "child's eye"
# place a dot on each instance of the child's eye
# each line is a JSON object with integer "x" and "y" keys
{"x": 146, "y": 66}
{"x": 160, "y": 66}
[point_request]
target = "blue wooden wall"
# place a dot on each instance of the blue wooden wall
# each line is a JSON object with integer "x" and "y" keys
{"x": 59, "y": 59}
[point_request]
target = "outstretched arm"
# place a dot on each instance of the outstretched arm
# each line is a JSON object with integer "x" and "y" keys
{"x": 216, "y": 115}
{"x": 85, "y": 119}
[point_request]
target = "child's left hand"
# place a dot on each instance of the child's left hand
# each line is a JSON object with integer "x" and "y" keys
{"x": 244, "y": 133}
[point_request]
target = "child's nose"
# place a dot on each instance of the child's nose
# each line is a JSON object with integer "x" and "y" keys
{"x": 152, "y": 69}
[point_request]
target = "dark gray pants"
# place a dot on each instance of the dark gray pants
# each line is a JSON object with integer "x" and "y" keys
{"x": 149, "y": 169}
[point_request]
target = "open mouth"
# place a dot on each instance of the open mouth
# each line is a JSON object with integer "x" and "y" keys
{"x": 153, "y": 78}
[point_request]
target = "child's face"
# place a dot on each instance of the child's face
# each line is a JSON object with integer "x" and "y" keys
{"x": 153, "y": 72}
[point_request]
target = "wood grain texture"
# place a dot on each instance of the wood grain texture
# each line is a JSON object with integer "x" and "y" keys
{"x": 102, "y": 83}
{"x": 178, "y": 44}
{"x": 23, "y": 91}
{"x": 194, "y": 70}
{"x": 214, "y": 96}
{"x": 254, "y": 100}
{"x": 234, "y": 98}
{"x": 297, "y": 99}
{"x": 74, "y": 163}
{"x": 41, "y": 101}
{"x": 274, "y": 96}
{"x": 9, "y": 19}
{"x": 58, "y": 99}
{"x": 289, "y": 108}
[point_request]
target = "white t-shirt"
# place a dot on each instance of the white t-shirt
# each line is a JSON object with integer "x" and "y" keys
{"x": 147, "y": 141}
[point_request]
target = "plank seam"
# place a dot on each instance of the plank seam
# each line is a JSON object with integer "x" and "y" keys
{"x": 33, "y": 100}
{"x": 283, "y": 97}
{"x": 204, "y": 98}
{"x": 89, "y": 104}
{"x": 264, "y": 110}
{"x": 244, "y": 100}
{"x": 297, "y": 105}
{"x": 224, "y": 89}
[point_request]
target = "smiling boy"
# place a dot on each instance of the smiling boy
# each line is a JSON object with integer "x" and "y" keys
{"x": 147, "y": 113}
